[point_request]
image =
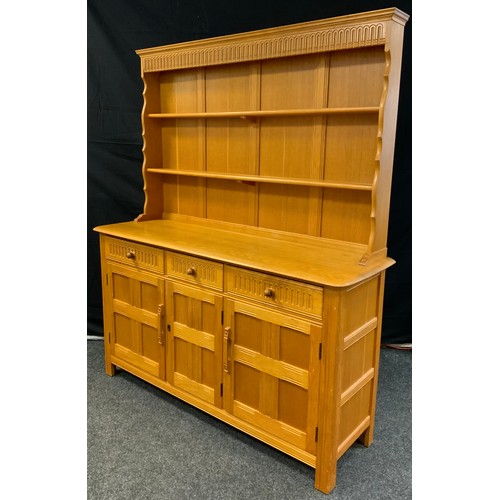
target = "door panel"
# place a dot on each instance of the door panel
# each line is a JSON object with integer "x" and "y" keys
{"x": 272, "y": 367}
{"x": 194, "y": 341}
{"x": 123, "y": 331}
{"x": 137, "y": 309}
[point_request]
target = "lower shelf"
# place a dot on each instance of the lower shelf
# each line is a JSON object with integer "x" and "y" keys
{"x": 262, "y": 179}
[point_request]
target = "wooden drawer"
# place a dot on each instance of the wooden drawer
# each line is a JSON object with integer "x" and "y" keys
{"x": 293, "y": 296}
{"x": 135, "y": 254}
{"x": 194, "y": 270}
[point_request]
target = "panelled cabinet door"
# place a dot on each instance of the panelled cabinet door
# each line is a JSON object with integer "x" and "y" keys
{"x": 194, "y": 333}
{"x": 271, "y": 365}
{"x": 137, "y": 323}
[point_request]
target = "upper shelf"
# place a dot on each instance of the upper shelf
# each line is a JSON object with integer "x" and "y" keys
{"x": 272, "y": 112}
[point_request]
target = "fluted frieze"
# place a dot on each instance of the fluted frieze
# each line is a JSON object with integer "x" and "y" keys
{"x": 324, "y": 40}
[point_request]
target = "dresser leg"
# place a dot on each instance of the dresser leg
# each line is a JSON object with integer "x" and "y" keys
{"x": 110, "y": 369}
{"x": 326, "y": 477}
{"x": 329, "y": 394}
{"x": 367, "y": 437}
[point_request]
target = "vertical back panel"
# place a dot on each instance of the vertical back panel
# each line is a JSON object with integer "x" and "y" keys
{"x": 289, "y": 208}
{"x": 230, "y": 201}
{"x": 183, "y": 140}
{"x": 231, "y": 143}
{"x": 356, "y": 77}
{"x": 346, "y": 215}
{"x": 351, "y": 148}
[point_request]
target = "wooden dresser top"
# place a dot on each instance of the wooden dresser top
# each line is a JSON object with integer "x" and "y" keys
{"x": 329, "y": 263}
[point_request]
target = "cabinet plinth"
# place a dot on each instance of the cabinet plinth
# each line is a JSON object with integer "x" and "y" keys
{"x": 252, "y": 284}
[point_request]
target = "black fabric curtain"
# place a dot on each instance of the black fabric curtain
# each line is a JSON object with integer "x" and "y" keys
{"x": 116, "y": 28}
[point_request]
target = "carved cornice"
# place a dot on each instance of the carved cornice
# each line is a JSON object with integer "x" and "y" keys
{"x": 280, "y": 45}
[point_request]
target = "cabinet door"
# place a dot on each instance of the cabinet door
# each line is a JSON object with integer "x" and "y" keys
{"x": 137, "y": 318}
{"x": 194, "y": 333}
{"x": 271, "y": 365}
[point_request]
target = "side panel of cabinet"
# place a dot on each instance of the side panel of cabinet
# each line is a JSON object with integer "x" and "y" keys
{"x": 136, "y": 302}
{"x": 271, "y": 364}
{"x": 194, "y": 334}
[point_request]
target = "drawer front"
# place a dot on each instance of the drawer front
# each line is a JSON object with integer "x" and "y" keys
{"x": 280, "y": 293}
{"x": 135, "y": 254}
{"x": 194, "y": 270}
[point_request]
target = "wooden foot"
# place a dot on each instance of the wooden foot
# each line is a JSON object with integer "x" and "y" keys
{"x": 110, "y": 369}
{"x": 325, "y": 480}
{"x": 367, "y": 437}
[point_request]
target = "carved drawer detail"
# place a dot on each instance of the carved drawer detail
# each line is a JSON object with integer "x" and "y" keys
{"x": 194, "y": 270}
{"x": 135, "y": 254}
{"x": 276, "y": 292}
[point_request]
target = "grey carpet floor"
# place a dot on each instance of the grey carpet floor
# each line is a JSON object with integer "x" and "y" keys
{"x": 145, "y": 444}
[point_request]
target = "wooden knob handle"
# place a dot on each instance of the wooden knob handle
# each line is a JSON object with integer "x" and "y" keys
{"x": 130, "y": 254}
{"x": 191, "y": 271}
{"x": 269, "y": 293}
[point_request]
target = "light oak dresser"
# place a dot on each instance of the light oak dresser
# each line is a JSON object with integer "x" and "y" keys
{"x": 252, "y": 284}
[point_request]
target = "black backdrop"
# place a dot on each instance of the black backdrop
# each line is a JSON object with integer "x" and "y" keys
{"x": 116, "y": 28}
